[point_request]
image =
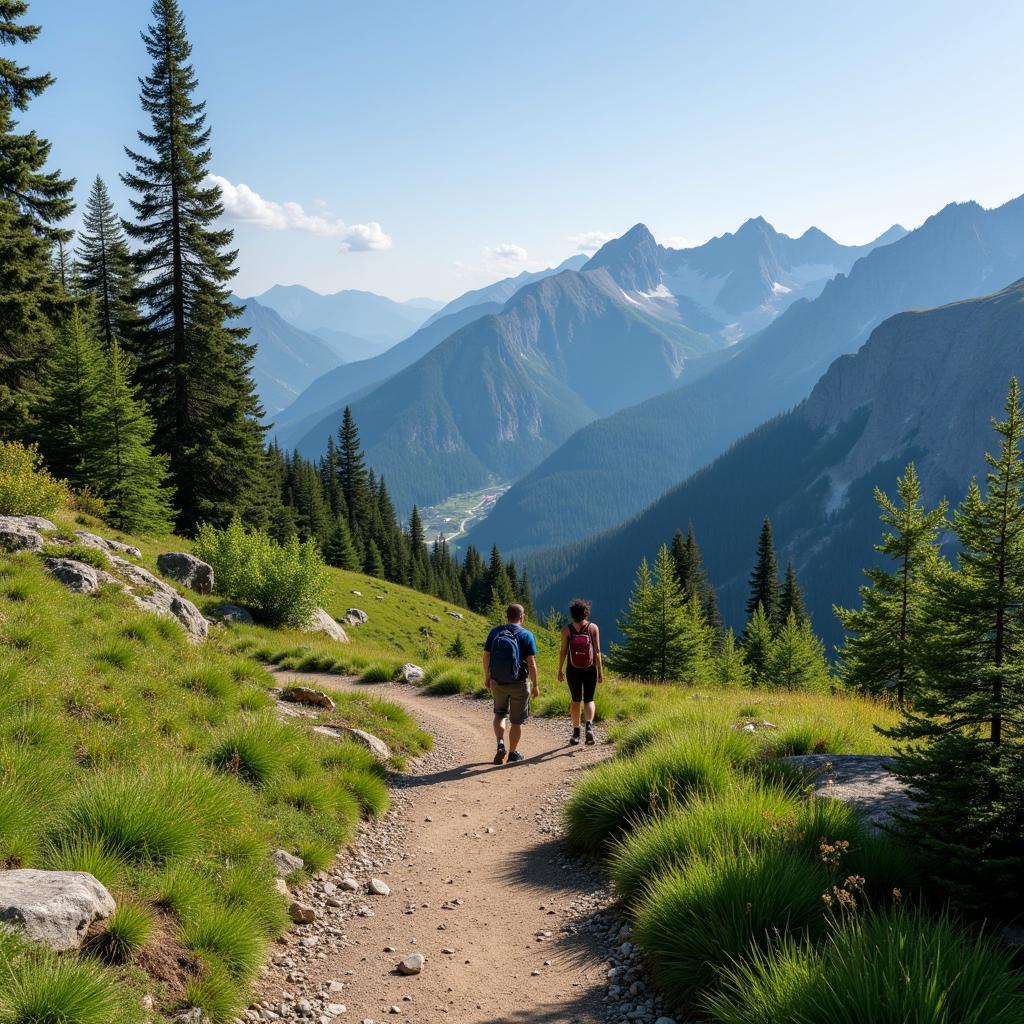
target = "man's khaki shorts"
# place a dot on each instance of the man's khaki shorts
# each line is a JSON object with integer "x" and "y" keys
{"x": 513, "y": 700}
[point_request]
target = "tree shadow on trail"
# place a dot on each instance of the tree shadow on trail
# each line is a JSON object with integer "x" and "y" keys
{"x": 479, "y": 769}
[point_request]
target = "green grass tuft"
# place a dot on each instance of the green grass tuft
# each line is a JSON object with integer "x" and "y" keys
{"x": 127, "y": 931}
{"x": 719, "y": 908}
{"x": 897, "y": 965}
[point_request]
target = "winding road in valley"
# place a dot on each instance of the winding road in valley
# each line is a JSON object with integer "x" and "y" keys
{"x": 480, "y": 884}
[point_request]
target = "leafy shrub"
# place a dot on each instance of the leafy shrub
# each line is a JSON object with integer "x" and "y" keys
{"x": 127, "y": 931}
{"x": 694, "y": 921}
{"x": 282, "y": 583}
{"x": 26, "y": 487}
{"x": 896, "y": 965}
{"x": 88, "y": 503}
{"x": 618, "y": 795}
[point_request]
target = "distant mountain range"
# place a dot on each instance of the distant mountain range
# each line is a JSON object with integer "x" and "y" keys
{"x": 287, "y": 359}
{"x": 315, "y": 414}
{"x": 570, "y": 346}
{"x": 377, "y": 320}
{"x": 611, "y": 469}
{"x": 923, "y": 388}
{"x": 500, "y": 393}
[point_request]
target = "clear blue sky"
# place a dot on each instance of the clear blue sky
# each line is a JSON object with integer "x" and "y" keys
{"x": 486, "y": 138}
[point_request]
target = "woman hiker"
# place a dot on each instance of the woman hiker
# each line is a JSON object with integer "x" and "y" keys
{"x": 579, "y": 662}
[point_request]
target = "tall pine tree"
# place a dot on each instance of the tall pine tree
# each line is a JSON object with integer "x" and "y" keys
{"x": 791, "y": 598}
{"x": 127, "y": 475}
{"x": 353, "y": 478}
{"x": 634, "y": 656}
{"x": 886, "y": 631}
{"x": 764, "y": 580}
{"x": 962, "y": 740}
{"x": 33, "y": 202}
{"x": 689, "y": 564}
{"x": 796, "y": 658}
{"x": 105, "y": 269}
{"x": 195, "y": 370}
{"x": 69, "y": 417}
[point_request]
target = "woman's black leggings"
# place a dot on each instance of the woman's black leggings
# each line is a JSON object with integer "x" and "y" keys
{"x": 582, "y": 683}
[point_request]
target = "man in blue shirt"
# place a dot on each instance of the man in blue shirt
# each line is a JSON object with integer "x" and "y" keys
{"x": 510, "y": 673}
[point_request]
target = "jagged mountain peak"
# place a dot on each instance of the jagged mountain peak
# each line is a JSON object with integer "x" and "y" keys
{"x": 632, "y": 260}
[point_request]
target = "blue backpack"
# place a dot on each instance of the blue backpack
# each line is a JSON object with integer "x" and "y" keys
{"x": 506, "y": 660}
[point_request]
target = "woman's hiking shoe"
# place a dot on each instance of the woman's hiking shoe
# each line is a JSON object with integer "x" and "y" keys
{"x": 514, "y": 756}
{"x": 499, "y": 757}
{"x": 590, "y": 735}
{"x": 574, "y": 740}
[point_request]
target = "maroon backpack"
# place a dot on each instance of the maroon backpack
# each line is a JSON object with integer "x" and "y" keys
{"x": 581, "y": 647}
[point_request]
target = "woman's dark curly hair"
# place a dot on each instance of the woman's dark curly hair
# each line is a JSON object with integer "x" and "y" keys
{"x": 579, "y": 609}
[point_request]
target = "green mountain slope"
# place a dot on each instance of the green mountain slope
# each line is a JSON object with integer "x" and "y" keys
{"x": 923, "y": 387}
{"x": 613, "y": 468}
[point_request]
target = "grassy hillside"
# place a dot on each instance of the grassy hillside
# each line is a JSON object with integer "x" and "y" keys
{"x": 161, "y": 767}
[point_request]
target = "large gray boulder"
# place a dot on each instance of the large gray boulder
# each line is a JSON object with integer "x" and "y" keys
{"x": 151, "y": 594}
{"x": 53, "y": 907}
{"x": 17, "y": 535}
{"x": 77, "y": 576}
{"x": 112, "y": 547}
{"x": 321, "y": 622}
{"x": 187, "y": 570}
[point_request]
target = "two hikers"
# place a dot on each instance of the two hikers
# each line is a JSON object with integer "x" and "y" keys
{"x": 510, "y": 673}
{"x": 579, "y": 664}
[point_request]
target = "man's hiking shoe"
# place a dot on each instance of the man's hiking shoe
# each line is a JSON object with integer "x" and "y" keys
{"x": 514, "y": 756}
{"x": 574, "y": 740}
{"x": 590, "y": 737}
{"x": 499, "y": 757}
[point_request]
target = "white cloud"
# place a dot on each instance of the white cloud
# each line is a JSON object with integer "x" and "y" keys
{"x": 247, "y": 206}
{"x": 506, "y": 252}
{"x": 590, "y": 241}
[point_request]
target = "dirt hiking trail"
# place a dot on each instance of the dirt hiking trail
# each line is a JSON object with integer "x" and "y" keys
{"x": 480, "y": 885}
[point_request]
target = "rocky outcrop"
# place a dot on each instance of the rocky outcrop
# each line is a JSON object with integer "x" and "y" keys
{"x": 153, "y": 595}
{"x": 356, "y": 617}
{"x": 232, "y": 614}
{"x": 53, "y": 907}
{"x": 112, "y": 547}
{"x": 77, "y": 576}
{"x": 374, "y": 744}
{"x": 321, "y": 622}
{"x": 17, "y": 534}
{"x": 187, "y": 570}
{"x": 864, "y": 781}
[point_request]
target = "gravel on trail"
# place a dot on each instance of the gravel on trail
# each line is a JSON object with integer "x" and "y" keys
{"x": 488, "y": 917}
